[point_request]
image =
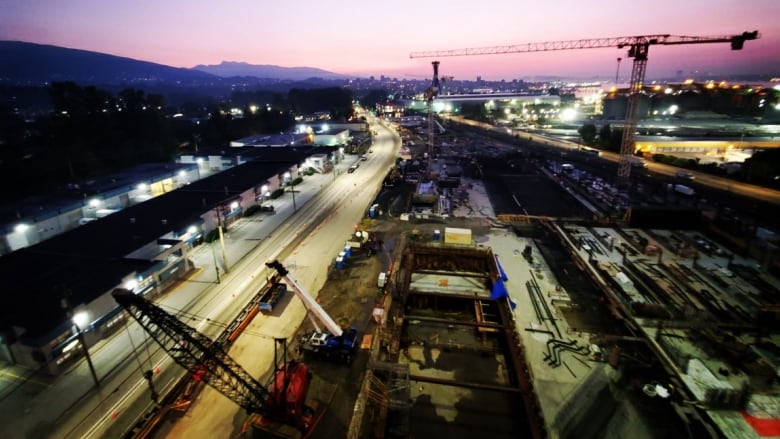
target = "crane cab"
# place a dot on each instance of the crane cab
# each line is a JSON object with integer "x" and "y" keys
{"x": 319, "y": 339}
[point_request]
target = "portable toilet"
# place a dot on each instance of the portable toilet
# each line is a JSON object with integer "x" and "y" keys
{"x": 348, "y": 251}
{"x": 437, "y": 235}
{"x": 343, "y": 256}
{"x": 340, "y": 263}
{"x": 381, "y": 281}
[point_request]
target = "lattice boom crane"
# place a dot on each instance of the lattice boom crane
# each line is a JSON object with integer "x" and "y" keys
{"x": 637, "y": 48}
{"x": 207, "y": 361}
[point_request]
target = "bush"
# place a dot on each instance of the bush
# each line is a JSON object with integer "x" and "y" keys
{"x": 211, "y": 236}
{"x": 251, "y": 210}
{"x": 297, "y": 181}
{"x": 277, "y": 193}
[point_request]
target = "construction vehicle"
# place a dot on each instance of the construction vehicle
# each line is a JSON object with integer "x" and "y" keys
{"x": 270, "y": 294}
{"x": 638, "y": 48}
{"x": 279, "y": 408}
{"x": 333, "y": 343}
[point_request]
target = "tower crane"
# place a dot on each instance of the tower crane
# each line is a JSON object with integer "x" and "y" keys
{"x": 637, "y": 49}
{"x": 430, "y": 94}
{"x": 281, "y": 405}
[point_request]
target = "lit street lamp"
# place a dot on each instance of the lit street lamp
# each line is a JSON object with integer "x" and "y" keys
{"x": 79, "y": 320}
{"x": 263, "y": 191}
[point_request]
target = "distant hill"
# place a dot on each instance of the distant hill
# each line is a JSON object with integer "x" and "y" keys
{"x": 30, "y": 63}
{"x": 228, "y": 69}
{"x": 23, "y": 63}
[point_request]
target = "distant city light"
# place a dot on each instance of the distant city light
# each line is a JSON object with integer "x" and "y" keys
{"x": 568, "y": 114}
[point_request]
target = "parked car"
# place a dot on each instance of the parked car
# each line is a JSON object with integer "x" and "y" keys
{"x": 685, "y": 175}
{"x": 266, "y": 208}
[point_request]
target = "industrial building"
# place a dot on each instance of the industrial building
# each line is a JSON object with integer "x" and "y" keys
{"x": 142, "y": 247}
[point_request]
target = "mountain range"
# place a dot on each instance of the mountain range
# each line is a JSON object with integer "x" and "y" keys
{"x": 227, "y": 69}
{"x": 31, "y": 63}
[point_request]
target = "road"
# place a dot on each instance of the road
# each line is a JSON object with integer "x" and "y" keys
{"x": 329, "y": 220}
{"x": 712, "y": 181}
{"x": 70, "y": 407}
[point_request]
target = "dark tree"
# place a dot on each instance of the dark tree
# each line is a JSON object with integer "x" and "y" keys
{"x": 588, "y": 134}
{"x": 334, "y": 100}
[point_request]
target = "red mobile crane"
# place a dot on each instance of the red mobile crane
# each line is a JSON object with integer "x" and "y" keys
{"x": 282, "y": 404}
{"x": 638, "y": 47}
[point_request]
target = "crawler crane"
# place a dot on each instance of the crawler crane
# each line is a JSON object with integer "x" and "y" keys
{"x": 273, "y": 409}
{"x": 638, "y": 47}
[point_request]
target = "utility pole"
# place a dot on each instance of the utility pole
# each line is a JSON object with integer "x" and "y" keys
{"x": 80, "y": 334}
{"x": 292, "y": 189}
{"x": 216, "y": 265}
{"x": 222, "y": 241}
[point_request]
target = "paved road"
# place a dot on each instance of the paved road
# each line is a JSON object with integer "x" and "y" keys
{"x": 35, "y": 405}
{"x": 715, "y": 182}
{"x": 343, "y": 204}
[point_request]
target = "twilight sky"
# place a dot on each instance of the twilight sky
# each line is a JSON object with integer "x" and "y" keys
{"x": 375, "y": 38}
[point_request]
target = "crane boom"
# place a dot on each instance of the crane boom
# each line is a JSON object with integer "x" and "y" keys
{"x": 311, "y": 305}
{"x": 197, "y": 353}
{"x": 594, "y": 43}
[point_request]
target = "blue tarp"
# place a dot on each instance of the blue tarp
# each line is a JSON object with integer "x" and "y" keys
{"x": 501, "y": 269}
{"x": 499, "y": 292}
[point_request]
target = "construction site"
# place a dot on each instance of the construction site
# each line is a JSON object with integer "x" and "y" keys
{"x": 496, "y": 299}
{"x": 535, "y": 320}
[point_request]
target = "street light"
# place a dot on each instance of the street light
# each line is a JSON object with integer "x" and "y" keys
{"x": 79, "y": 320}
{"x": 263, "y": 191}
{"x": 288, "y": 181}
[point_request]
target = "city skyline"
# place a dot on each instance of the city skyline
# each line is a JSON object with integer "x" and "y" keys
{"x": 377, "y": 39}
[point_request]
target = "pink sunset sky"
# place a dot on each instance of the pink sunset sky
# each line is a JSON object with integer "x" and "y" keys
{"x": 376, "y": 38}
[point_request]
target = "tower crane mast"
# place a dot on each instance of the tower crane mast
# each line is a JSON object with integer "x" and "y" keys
{"x": 638, "y": 47}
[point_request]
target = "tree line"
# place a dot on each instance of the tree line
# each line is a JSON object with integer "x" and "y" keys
{"x": 90, "y": 132}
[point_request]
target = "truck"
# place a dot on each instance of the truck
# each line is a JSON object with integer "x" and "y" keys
{"x": 332, "y": 343}
{"x": 274, "y": 290}
{"x": 328, "y": 346}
